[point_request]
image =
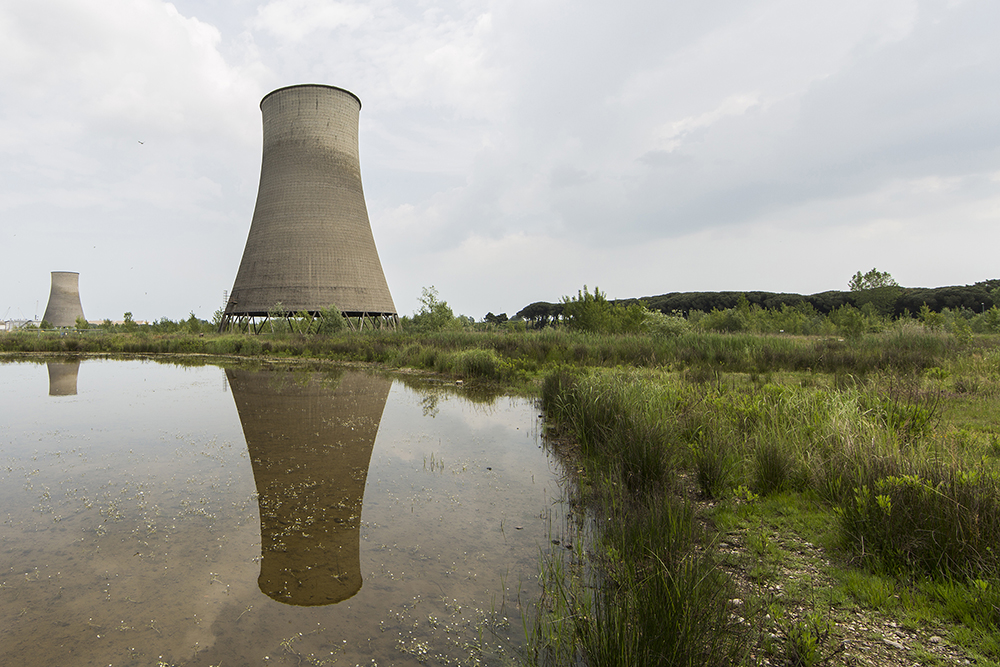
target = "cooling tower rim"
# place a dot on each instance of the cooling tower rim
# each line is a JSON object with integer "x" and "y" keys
{"x": 311, "y": 85}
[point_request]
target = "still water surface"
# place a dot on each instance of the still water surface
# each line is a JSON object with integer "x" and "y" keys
{"x": 160, "y": 514}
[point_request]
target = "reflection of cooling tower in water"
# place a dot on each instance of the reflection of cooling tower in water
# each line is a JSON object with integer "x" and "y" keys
{"x": 310, "y": 445}
{"x": 62, "y": 377}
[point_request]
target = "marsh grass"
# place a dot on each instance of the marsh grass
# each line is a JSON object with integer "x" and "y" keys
{"x": 772, "y": 467}
{"x": 652, "y": 597}
{"x": 714, "y": 468}
{"x": 654, "y": 594}
{"x": 902, "y": 492}
{"x": 616, "y": 420}
{"x": 704, "y": 353}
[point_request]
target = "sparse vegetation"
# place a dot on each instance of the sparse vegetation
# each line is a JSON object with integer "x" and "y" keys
{"x": 897, "y": 483}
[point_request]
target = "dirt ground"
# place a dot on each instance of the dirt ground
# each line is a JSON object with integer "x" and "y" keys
{"x": 857, "y": 638}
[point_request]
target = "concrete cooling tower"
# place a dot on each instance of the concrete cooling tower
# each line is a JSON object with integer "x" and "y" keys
{"x": 310, "y": 243}
{"x": 64, "y": 299}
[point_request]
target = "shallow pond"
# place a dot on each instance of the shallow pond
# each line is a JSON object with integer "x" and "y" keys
{"x": 156, "y": 514}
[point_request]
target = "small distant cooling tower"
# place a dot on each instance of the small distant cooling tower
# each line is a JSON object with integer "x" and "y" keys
{"x": 64, "y": 299}
{"x": 310, "y": 244}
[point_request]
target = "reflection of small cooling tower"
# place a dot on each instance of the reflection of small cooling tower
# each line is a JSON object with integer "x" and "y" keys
{"x": 62, "y": 377}
{"x": 310, "y": 445}
{"x": 64, "y": 299}
{"x": 310, "y": 243}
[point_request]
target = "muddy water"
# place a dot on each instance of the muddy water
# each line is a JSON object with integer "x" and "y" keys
{"x": 156, "y": 514}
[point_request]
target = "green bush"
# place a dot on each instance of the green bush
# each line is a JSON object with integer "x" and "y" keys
{"x": 658, "y": 324}
{"x": 714, "y": 462}
{"x": 434, "y": 314}
{"x": 729, "y": 320}
{"x": 850, "y": 322}
{"x": 595, "y": 314}
{"x": 911, "y": 522}
{"x": 330, "y": 321}
{"x": 478, "y": 363}
{"x": 772, "y": 468}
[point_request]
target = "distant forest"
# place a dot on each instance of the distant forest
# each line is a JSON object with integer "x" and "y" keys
{"x": 973, "y": 298}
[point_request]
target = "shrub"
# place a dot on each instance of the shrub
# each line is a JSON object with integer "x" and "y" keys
{"x": 714, "y": 464}
{"x": 729, "y": 320}
{"x": 772, "y": 468}
{"x": 330, "y": 321}
{"x": 594, "y": 313}
{"x": 910, "y": 522}
{"x": 484, "y": 364}
{"x": 658, "y": 324}
{"x": 850, "y": 322}
{"x": 434, "y": 314}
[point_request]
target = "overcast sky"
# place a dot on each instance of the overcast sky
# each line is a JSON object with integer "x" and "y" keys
{"x": 511, "y": 150}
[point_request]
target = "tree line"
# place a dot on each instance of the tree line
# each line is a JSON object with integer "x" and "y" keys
{"x": 888, "y": 300}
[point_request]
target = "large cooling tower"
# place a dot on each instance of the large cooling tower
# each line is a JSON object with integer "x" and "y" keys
{"x": 310, "y": 440}
{"x": 64, "y": 299}
{"x": 310, "y": 244}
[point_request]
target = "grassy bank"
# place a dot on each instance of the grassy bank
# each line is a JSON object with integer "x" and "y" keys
{"x": 510, "y": 357}
{"x": 892, "y": 469}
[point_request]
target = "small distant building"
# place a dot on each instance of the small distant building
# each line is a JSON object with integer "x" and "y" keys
{"x": 64, "y": 300}
{"x": 14, "y": 325}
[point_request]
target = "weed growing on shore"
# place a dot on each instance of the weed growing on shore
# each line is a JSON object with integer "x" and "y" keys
{"x": 902, "y": 495}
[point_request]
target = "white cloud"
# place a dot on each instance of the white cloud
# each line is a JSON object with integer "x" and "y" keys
{"x": 395, "y": 55}
{"x": 671, "y": 135}
{"x": 123, "y": 64}
{"x": 292, "y": 20}
{"x": 514, "y": 150}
